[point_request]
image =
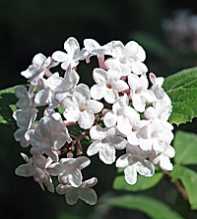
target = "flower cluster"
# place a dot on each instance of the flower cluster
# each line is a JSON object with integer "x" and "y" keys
{"x": 63, "y": 121}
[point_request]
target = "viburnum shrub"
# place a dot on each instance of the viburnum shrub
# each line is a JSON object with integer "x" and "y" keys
{"x": 126, "y": 110}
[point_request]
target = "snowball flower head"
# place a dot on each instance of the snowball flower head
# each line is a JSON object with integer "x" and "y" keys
{"x": 122, "y": 117}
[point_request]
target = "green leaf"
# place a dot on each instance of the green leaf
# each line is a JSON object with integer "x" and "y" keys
{"x": 7, "y": 105}
{"x": 143, "y": 183}
{"x": 188, "y": 178}
{"x": 152, "y": 207}
{"x": 182, "y": 89}
{"x": 186, "y": 148}
{"x": 68, "y": 216}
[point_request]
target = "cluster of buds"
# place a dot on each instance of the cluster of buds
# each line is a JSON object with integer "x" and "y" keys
{"x": 181, "y": 30}
{"x": 125, "y": 110}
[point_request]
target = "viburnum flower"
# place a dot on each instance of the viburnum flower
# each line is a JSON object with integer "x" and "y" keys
{"x": 72, "y": 56}
{"x": 121, "y": 117}
{"x": 134, "y": 162}
{"x": 108, "y": 85}
{"x": 124, "y": 117}
{"x": 55, "y": 86}
{"x": 49, "y": 136}
{"x": 24, "y": 119}
{"x": 81, "y": 108}
{"x": 37, "y": 168}
{"x": 83, "y": 192}
{"x": 38, "y": 68}
{"x": 131, "y": 55}
{"x": 140, "y": 95}
{"x": 105, "y": 142}
{"x": 68, "y": 170}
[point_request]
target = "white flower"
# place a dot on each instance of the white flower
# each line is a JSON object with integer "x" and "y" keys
{"x": 37, "y": 168}
{"x": 24, "y": 119}
{"x": 25, "y": 97}
{"x": 132, "y": 55}
{"x": 83, "y": 192}
{"x": 72, "y": 56}
{"x": 155, "y": 135}
{"x": 133, "y": 163}
{"x": 49, "y": 136}
{"x": 38, "y": 68}
{"x": 56, "y": 87}
{"x": 124, "y": 117}
{"x": 108, "y": 85}
{"x": 68, "y": 170}
{"x": 139, "y": 92}
{"x": 81, "y": 108}
{"x": 162, "y": 107}
{"x": 92, "y": 48}
{"x": 105, "y": 142}
{"x": 163, "y": 159}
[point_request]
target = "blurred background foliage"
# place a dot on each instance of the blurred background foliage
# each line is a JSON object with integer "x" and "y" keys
{"x": 31, "y": 26}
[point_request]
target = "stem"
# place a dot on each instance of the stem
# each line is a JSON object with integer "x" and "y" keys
{"x": 179, "y": 187}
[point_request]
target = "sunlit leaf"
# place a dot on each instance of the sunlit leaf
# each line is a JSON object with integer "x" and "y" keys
{"x": 152, "y": 207}
{"x": 182, "y": 89}
{"x": 186, "y": 148}
{"x": 143, "y": 183}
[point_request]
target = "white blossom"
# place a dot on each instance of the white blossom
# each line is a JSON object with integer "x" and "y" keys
{"x": 68, "y": 170}
{"x": 139, "y": 93}
{"x": 105, "y": 143}
{"x": 72, "y": 55}
{"x": 133, "y": 163}
{"x": 81, "y": 108}
{"x": 39, "y": 67}
{"x": 108, "y": 85}
{"x": 124, "y": 117}
{"x": 56, "y": 86}
{"x": 49, "y": 135}
{"x": 24, "y": 119}
{"x": 83, "y": 192}
{"x": 37, "y": 168}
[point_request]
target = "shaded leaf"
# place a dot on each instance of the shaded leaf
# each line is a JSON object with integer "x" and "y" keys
{"x": 188, "y": 178}
{"x": 152, "y": 207}
{"x": 7, "y": 105}
{"x": 143, "y": 183}
{"x": 186, "y": 148}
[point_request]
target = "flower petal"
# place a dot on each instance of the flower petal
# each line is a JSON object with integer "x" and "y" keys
{"x": 110, "y": 96}
{"x": 100, "y": 76}
{"x": 75, "y": 178}
{"x": 71, "y": 45}
{"x": 145, "y": 169}
{"x": 59, "y": 56}
{"x": 93, "y": 148}
{"x": 107, "y": 154}
{"x": 97, "y": 91}
{"x": 88, "y": 195}
{"x": 39, "y": 59}
{"x": 110, "y": 119}
{"x": 94, "y": 106}
{"x": 86, "y": 120}
{"x": 43, "y": 97}
{"x": 71, "y": 196}
{"x": 122, "y": 161}
{"x": 120, "y": 85}
{"x": 98, "y": 133}
{"x": 130, "y": 174}
{"x": 25, "y": 170}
